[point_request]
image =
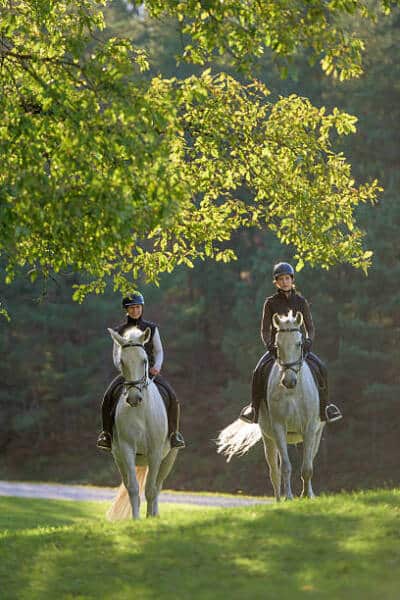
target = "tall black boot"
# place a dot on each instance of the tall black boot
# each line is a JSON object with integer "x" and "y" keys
{"x": 173, "y": 413}
{"x": 250, "y": 413}
{"x": 110, "y": 399}
{"x": 327, "y": 411}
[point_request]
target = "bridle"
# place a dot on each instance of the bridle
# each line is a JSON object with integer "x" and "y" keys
{"x": 290, "y": 366}
{"x": 139, "y": 384}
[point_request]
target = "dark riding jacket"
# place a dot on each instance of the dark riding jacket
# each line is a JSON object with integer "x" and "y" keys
{"x": 141, "y": 324}
{"x": 282, "y": 303}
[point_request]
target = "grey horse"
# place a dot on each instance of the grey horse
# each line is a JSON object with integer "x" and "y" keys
{"x": 290, "y": 414}
{"x": 140, "y": 447}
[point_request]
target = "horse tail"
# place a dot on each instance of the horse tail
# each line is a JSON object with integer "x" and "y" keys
{"x": 238, "y": 438}
{"x": 121, "y": 508}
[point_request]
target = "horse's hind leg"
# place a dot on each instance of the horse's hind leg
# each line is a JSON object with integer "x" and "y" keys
{"x": 310, "y": 443}
{"x": 164, "y": 471}
{"x": 272, "y": 458}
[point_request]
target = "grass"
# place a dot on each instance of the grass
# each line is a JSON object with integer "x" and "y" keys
{"x": 337, "y": 547}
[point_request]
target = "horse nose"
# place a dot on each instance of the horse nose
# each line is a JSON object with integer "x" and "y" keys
{"x": 134, "y": 398}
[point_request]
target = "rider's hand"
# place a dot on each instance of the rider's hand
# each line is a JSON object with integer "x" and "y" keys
{"x": 154, "y": 371}
{"x": 307, "y": 345}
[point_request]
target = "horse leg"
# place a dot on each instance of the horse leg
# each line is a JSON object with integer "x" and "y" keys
{"x": 151, "y": 491}
{"x": 164, "y": 471}
{"x": 272, "y": 458}
{"x": 309, "y": 444}
{"x": 286, "y": 467}
{"x": 121, "y": 467}
{"x": 318, "y": 439}
{"x": 129, "y": 459}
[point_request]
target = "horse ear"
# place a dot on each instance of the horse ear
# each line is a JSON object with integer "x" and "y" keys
{"x": 115, "y": 336}
{"x": 276, "y": 321}
{"x": 299, "y": 319}
{"x": 146, "y": 335}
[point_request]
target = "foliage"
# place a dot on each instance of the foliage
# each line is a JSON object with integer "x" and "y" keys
{"x": 342, "y": 546}
{"x": 287, "y": 27}
{"x": 58, "y": 356}
{"x": 113, "y": 173}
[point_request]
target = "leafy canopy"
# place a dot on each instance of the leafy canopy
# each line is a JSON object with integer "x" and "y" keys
{"x": 113, "y": 173}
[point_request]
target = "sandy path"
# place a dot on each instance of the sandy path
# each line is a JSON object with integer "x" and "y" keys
{"x": 79, "y": 492}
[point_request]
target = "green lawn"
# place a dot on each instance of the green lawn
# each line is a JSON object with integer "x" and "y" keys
{"x": 337, "y": 547}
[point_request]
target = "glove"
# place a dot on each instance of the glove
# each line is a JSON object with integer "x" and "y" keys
{"x": 307, "y": 345}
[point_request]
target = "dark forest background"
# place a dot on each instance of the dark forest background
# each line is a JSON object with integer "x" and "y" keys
{"x": 56, "y": 354}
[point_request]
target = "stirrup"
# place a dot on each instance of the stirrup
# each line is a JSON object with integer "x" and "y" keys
{"x": 104, "y": 441}
{"x": 177, "y": 440}
{"x": 337, "y": 415}
{"x": 248, "y": 414}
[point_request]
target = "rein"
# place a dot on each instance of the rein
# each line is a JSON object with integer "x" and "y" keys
{"x": 141, "y": 383}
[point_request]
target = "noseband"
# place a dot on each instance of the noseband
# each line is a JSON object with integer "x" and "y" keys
{"x": 139, "y": 384}
{"x": 291, "y": 365}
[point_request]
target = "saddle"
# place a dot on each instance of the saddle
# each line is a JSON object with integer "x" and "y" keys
{"x": 164, "y": 393}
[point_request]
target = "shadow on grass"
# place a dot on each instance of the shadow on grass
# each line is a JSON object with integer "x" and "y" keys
{"x": 20, "y": 513}
{"x": 265, "y": 552}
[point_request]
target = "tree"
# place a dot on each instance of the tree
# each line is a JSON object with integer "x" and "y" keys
{"x": 113, "y": 173}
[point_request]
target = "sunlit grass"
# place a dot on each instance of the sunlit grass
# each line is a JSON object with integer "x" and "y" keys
{"x": 338, "y": 547}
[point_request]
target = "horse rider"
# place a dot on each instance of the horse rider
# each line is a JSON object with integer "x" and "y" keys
{"x": 286, "y": 299}
{"x": 133, "y": 304}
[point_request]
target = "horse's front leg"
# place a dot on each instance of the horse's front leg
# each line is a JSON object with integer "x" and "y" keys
{"x": 128, "y": 455}
{"x": 286, "y": 467}
{"x": 271, "y": 455}
{"x": 151, "y": 489}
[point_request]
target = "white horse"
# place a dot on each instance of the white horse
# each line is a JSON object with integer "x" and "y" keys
{"x": 140, "y": 447}
{"x": 292, "y": 415}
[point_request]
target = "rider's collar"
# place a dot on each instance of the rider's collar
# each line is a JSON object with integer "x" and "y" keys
{"x": 131, "y": 321}
{"x": 286, "y": 294}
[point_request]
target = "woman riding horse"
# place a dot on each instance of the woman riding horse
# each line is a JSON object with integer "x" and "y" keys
{"x": 282, "y": 302}
{"x": 133, "y": 305}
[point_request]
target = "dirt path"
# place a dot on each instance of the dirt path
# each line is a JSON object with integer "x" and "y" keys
{"x": 79, "y": 492}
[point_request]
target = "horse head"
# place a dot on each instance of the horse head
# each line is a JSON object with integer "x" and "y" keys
{"x": 131, "y": 358}
{"x": 289, "y": 345}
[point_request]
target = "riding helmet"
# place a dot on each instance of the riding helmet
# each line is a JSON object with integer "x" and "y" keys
{"x": 135, "y": 298}
{"x": 282, "y": 268}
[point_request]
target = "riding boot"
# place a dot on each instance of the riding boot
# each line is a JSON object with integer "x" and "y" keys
{"x": 175, "y": 436}
{"x": 250, "y": 413}
{"x": 108, "y": 407}
{"x": 327, "y": 411}
{"x": 173, "y": 413}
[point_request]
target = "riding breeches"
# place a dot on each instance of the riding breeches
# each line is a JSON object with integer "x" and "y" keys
{"x": 260, "y": 380}
{"x": 263, "y": 369}
{"x": 113, "y": 392}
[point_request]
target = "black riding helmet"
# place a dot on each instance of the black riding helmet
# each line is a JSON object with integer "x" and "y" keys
{"x": 282, "y": 268}
{"x": 135, "y": 298}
